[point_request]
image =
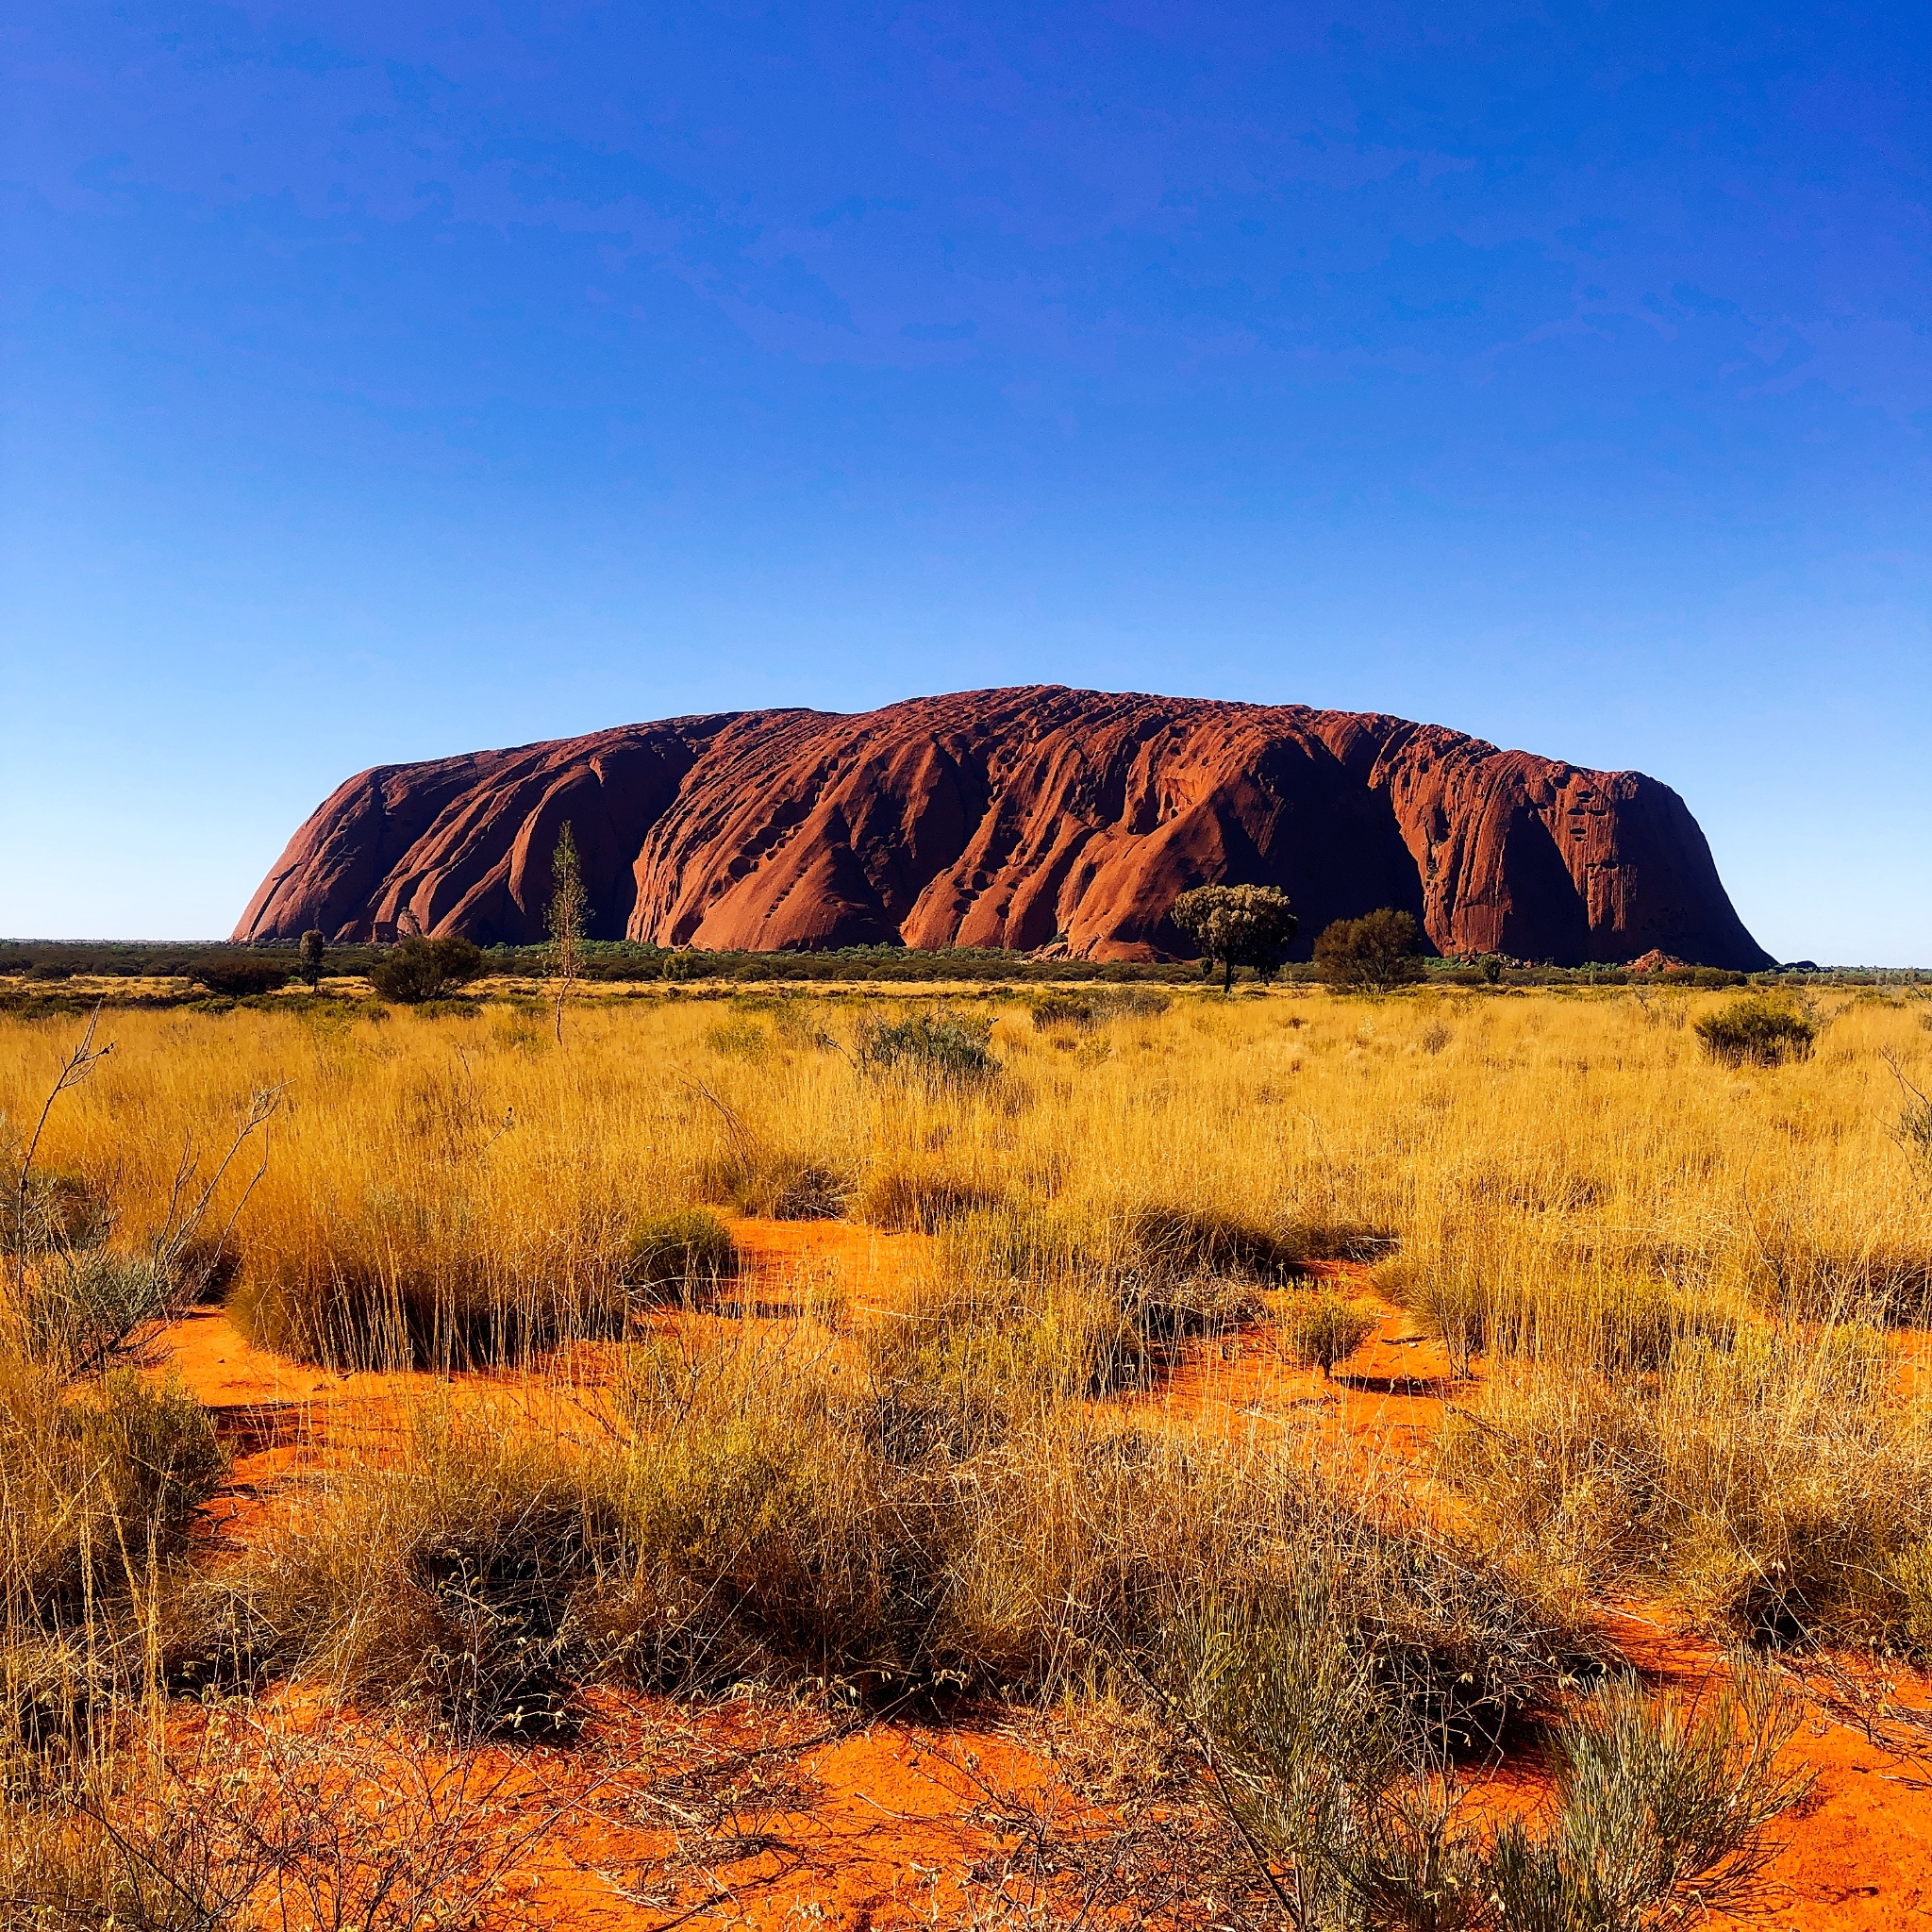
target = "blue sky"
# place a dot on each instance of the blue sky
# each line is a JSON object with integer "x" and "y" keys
{"x": 381, "y": 382}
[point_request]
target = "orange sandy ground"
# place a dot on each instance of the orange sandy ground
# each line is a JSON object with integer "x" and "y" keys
{"x": 763, "y": 1815}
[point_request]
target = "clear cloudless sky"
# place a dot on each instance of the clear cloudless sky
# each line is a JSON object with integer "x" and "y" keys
{"x": 383, "y": 381}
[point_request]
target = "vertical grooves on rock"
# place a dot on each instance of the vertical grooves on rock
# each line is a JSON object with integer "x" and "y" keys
{"x": 1036, "y": 817}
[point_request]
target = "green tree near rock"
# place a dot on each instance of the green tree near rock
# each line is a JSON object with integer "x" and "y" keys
{"x": 418, "y": 969}
{"x": 1237, "y": 925}
{"x": 1371, "y": 954}
{"x": 309, "y": 958}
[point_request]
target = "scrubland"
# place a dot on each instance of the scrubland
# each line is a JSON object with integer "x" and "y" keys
{"x": 594, "y": 1455}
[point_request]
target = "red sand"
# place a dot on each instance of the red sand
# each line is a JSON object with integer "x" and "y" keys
{"x": 893, "y": 1826}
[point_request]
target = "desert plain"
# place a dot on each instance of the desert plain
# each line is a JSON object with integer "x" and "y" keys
{"x": 937, "y": 1457}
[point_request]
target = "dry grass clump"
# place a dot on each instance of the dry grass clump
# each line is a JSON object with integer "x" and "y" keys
{"x": 246, "y": 1820}
{"x": 1173, "y": 1242}
{"x": 1082, "y": 1008}
{"x": 1781, "y": 1484}
{"x": 683, "y": 1252}
{"x": 97, "y": 1487}
{"x": 756, "y": 1508}
{"x": 1551, "y": 1305}
{"x": 436, "y": 1578}
{"x": 382, "y": 1309}
{"x": 1074, "y": 1308}
{"x": 777, "y": 1184}
{"x": 1357, "y": 1811}
{"x": 923, "y": 1195}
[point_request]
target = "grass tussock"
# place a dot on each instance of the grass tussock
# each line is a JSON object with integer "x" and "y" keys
{"x": 1655, "y": 1816}
{"x": 1777, "y": 1485}
{"x": 682, "y": 1251}
{"x": 97, "y": 1488}
{"x": 1322, "y": 1331}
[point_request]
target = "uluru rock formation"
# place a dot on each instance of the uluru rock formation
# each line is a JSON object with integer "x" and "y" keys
{"x": 1037, "y": 818}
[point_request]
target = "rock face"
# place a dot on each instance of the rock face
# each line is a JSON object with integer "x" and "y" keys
{"x": 1037, "y": 818}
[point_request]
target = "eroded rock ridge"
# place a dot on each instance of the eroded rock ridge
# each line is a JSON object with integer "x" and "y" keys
{"x": 1037, "y": 818}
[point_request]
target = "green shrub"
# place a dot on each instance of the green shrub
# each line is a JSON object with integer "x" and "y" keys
{"x": 310, "y": 955}
{"x": 1237, "y": 925}
{"x": 1371, "y": 954}
{"x": 1659, "y": 1804}
{"x": 683, "y": 1250}
{"x": 238, "y": 977}
{"x": 1320, "y": 1331}
{"x": 941, "y": 1047}
{"x": 1758, "y": 1030}
{"x": 418, "y": 969}
{"x": 77, "y": 1308}
{"x": 1062, "y": 1007}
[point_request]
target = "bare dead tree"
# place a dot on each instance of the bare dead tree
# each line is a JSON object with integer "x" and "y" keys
{"x": 76, "y": 1067}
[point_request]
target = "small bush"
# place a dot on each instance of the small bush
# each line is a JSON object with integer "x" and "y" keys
{"x": 236, "y": 979}
{"x": 77, "y": 1308}
{"x": 942, "y": 1048}
{"x": 1371, "y": 954}
{"x": 418, "y": 969}
{"x": 1321, "y": 1331}
{"x": 1757, "y": 1030}
{"x": 1085, "y": 1007}
{"x": 1658, "y": 1803}
{"x": 685, "y": 1250}
{"x": 1061, "y": 1007}
{"x": 739, "y": 1039}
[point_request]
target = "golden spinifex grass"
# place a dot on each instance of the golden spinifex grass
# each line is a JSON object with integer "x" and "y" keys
{"x": 1691, "y": 1287}
{"x": 1569, "y": 1171}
